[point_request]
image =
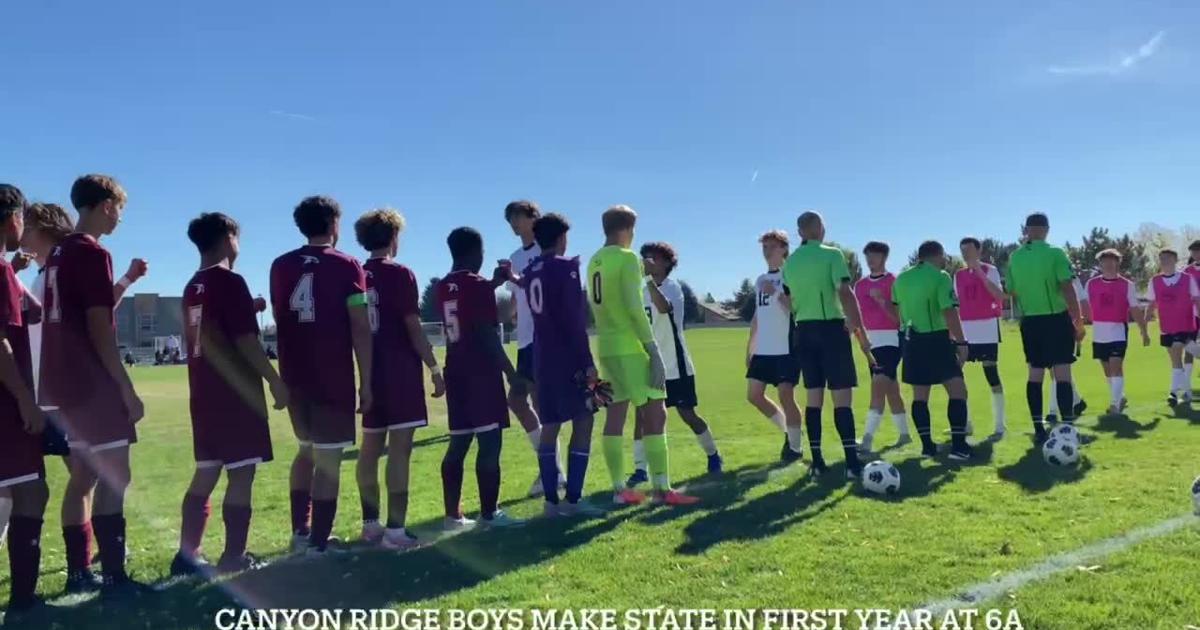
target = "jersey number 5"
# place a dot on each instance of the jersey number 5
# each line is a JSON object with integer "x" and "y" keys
{"x": 450, "y": 320}
{"x": 302, "y": 302}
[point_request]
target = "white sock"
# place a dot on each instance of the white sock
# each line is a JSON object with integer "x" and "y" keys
{"x": 396, "y": 531}
{"x": 900, "y": 419}
{"x": 795, "y": 437}
{"x": 1053, "y": 397}
{"x": 780, "y": 421}
{"x": 1192, "y": 348}
{"x": 707, "y": 442}
{"x": 5, "y": 511}
{"x": 1116, "y": 388}
{"x": 1176, "y": 380}
{"x": 535, "y": 438}
{"x": 998, "y": 410}
{"x": 1187, "y": 376}
{"x": 873, "y": 419}
{"x": 639, "y": 456}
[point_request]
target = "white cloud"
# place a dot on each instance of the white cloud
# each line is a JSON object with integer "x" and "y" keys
{"x": 1123, "y": 63}
{"x": 754, "y": 176}
{"x": 291, "y": 115}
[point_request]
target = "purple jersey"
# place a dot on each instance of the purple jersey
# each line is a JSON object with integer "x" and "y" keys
{"x": 560, "y": 340}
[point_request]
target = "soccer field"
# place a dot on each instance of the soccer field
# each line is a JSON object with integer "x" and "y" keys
{"x": 763, "y": 537}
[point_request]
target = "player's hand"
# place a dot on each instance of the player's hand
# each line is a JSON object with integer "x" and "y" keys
{"x": 364, "y": 400}
{"x": 260, "y": 304}
{"x": 138, "y": 267}
{"x": 658, "y": 373}
{"x": 439, "y": 384}
{"x": 591, "y": 376}
{"x": 768, "y": 288}
{"x": 280, "y": 393}
{"x": 32, "y": 417}
{"x": 1145, "y": 339}
{"x": 33, "y": 313}
{"x": 961, "y": 353}
{"x": 20, "y": 261}
{"x": 134, "y": 405}
{"x": 1080, "y": 332}
{"x": 519, "y": 384}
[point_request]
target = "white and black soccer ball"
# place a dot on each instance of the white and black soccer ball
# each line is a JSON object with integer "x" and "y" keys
{"x": 881, "y": 477}
{"x": 1196, "y": 495}
{"x": 1060, "y": 452}
{"x": 1066, "y": 432}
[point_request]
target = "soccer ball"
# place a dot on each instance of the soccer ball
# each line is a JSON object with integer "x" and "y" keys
{"x": 1060, "y": 452}
{"x": 1065, "y": 432}
{"x": 881, "y": 477}
{"x": 1196, "y": 495}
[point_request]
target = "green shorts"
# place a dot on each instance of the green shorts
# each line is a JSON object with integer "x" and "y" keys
{"x": 629, "y": 375}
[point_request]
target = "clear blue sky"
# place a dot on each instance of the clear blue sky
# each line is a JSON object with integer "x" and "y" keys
{"x": 715, "y": 120}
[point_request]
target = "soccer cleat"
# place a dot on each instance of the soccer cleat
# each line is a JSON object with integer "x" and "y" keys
{"x": 535, "y": 490}
{"x": 1040, "y": 436}
{"x": 299, "y": 543}
{"x": 121, "y": 586}
{"x": 457, "y": 523}
{"x": 961, "y": 453}
{"x": 83, "y": 581}
{"x": 399, "y": 541}
{"x": 582, "y": 508}
{"x": 628, "y": 496}
{"x": 1052, "y": 418}
{"x": 787, "y": 454}
{"x": 864, "y": 445}
{"x": 551, "y": 510}
{"x": 183, "y": 565}
{"x": 638, "y": 477}
{"x": 996, "y": 436}
{"x": 817, "y": 467}
{"x": 501, "y": 520}
{"x": 244, "y": 562}
{"x": 904, "y": 440}
{"x": 25, "y": 613}
{"x": 674, "y": 498}
{"x": 1172, "y": 399}
{"x": 372, "y": 531}
{"x": 715, "y": 463}
{"x": 929, "y": 449}
{"x": 1186, "y": 399}
{"x": 1080, "y": 407}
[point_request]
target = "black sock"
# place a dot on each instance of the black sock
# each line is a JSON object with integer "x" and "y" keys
{"x": 920, "y": 418}
{"x": 1066, "y": 400}
{"x": 812, "y": 423}
{"x": 1033, "y": 395}
{"x": 843, "y": 421}
{"x": 956, "y": 411}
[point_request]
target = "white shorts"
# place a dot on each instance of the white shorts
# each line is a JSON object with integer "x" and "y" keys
{"x": 981, "y": 330}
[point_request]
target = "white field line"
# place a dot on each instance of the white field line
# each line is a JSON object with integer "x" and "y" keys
{"x": 970, "y": 596}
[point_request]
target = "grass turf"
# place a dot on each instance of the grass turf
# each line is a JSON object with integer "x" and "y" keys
{"x": 764, "y": 536}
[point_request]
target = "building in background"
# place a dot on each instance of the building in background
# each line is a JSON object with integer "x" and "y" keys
{"x": 148, "y": 321}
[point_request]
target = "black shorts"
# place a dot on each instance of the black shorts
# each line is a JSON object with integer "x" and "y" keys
{"x": 887, "y": 360}
{"x": 54, "y": 439}
{"x": 1048, "y": 340}
{"x": 930, "y": 359}
{"x": 983, "y": 352}
{"x": 1109, "y": 350}
{"x": 774, "y": 369}
{"x": 822, "y": 348}
{"x": 1169, "y": 339}
{"x": 681, "y": 392}
{"x": 525, "y": 363}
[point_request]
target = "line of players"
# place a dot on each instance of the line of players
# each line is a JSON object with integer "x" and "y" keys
{"x": 336, "y": 318}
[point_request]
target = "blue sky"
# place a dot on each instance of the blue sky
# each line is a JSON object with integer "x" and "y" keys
{"x": 715, "y": 120}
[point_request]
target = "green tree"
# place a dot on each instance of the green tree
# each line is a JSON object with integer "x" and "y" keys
{"x": 953, "y": 263}
{"x": 744, "y": 301}
{"x": 1135, "y": 263}
{"x": 429, "y": 306}
{"x": 997, "y": 252}
{"x": 691, "y": 306}
{"x": 709, "y": 299}
{"x": 852, "y": 261}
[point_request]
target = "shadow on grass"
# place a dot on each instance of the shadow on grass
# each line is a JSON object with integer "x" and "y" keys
{"x": 1034, "y": 475}
{"x": 364, "y": 578}
{"x": 1123, "y": 427}
{"x": 1186, "y": 412}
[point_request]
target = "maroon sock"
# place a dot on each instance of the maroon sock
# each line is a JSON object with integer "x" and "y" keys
{"x": 237, "y": 529}
{"x": 397, "y": 509}
{"x": 322, "y": 523}
{"x": 77, "y": 541}
{"x": 370, "y": 509}
{"x": 110, "y": 537}
{"x": 24, "y": 556}
{"x": 452, "y": 480}
{"x": 195, "y": 512}
{"x": 301, "y": 512}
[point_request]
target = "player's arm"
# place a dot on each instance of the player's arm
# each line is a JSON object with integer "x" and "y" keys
{"x": 251, "y": 350}
{"x": 137, "y": 268}
{"x": 421, "y": 345}
{"x": 360, "y": 338}
{"x": 949, "y": 306}
{"x": 660, "y": 301}
{"x": 850, "y": 305}
{"x": 1066, "y": 287}
{"x": 993, "y": 284}
{"x": 32, "y": 311}
{"x": 11, "y": 380}
{"x": 751, "y": 339}
{"x": 488, "y": 338}
{"x": 1138, "y": 310}
{"x": 631, "y": 288}
{"x": 104, "y": 342}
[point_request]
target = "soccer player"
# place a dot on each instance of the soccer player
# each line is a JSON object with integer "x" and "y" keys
{"x": 935, "y": 347}
{"x": 1039, "y": 277}
{"x": 476, "y": 366}
{"x": 663, "y": 298}
{"x": 398, "y": 391}
{"x": 226, "y": 369}
{"x": 318, "y": 296}
{"x": 1175, "y": 296}
{"x": 881, "y": 322}
{"x": 1114, "y": 299}
{"x": 563, "y": 363}
{"x": 817, "y": 281}
{"x": 769, "y": 360}
{"x": 521, "y": 216}
{"x": 81, "y": 373}
{"x": 629, "y": 358}
{"x": 1080, "y": 405}
{"x": 980, "y": 306}
{"x": 22, "y": 472}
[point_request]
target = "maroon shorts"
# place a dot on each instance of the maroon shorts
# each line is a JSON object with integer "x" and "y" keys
{"x": 100, "y": 425}
{"x": 230, "y": 441}
{"x": 20, "y": 454}
{"x": 397, "y": 402}
{"x": 322, "y": 425}
{"x": 475, "y": 400}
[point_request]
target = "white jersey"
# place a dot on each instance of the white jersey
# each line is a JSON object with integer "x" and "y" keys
{"x": 668, "y": 330}
{"x": 772, "y": 336}
{"x": 35, "y": 330}
{"x": 520, "y": 259}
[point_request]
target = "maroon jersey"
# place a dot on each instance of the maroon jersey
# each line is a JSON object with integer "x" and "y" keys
{"x": 397, "y": 375}
{"x": 475, "y": 399}
{"x": 311, "y": 290}
{"x": 20, "y": 452}
{"x": 229, "y": 411}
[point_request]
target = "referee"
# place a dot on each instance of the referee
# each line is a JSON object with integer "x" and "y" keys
{"x": 816, "y": 283}
{"x": 1039, "y": 277}
{"x": 935, "y": 347}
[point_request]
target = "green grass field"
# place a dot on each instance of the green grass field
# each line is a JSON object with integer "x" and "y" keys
{"x": 764, "y": 536}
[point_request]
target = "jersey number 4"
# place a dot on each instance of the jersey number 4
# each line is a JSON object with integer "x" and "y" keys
{"x": 301, "y": 302}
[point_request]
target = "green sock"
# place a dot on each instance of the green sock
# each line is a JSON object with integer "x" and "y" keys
{"x": 614, "y": 456}
{"x": 660, "y": 465}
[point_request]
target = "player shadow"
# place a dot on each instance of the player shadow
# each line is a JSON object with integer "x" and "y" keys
{"x": 916, "y": 480}
{"x": 1034, "y": 475}
{"x": 719, "y": 491}
{"x": 430, "y": 441}
{"x": 364, "y": 578}
{"x": 1123, "y": 427}
{"x": 1186, "y": 412}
